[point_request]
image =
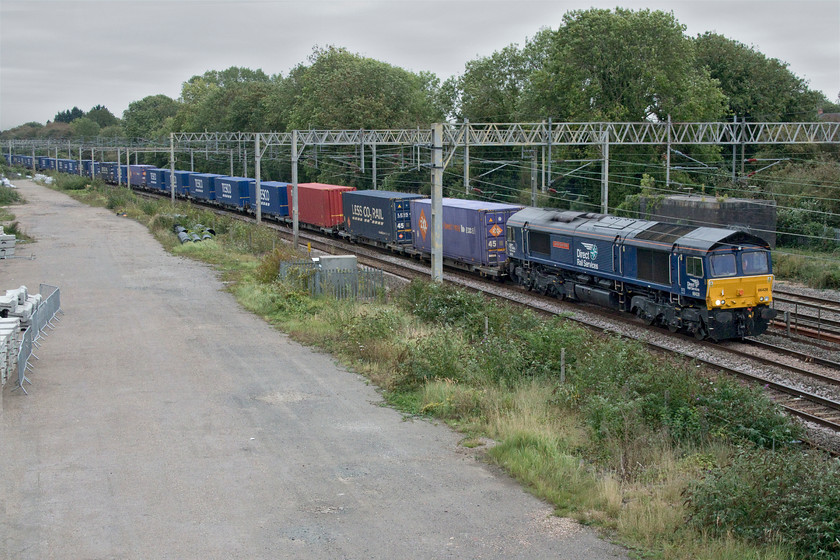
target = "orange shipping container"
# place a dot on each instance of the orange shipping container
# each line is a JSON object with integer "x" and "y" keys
{"x": 319, "y": 204}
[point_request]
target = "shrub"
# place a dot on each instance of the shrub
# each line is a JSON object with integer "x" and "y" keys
{"x": 437, "y": 355}
{"x": 9, "y": 196}
{"x": 66, "y": 182}
{"x": 772, "y": 497}
{"x": 468, "y": 312}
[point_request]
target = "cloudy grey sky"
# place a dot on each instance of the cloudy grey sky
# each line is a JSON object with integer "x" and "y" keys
{"x": 57, "y": 54}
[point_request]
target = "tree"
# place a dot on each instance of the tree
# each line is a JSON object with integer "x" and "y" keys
{"x": 344, "y": 90}
{"x": 84, "y": 127}
{"x": 148, "y": 117}
{"x": 26, "y": 130}
{"x": 756, "y": 87}
{"x": 231, "y": 99}
{"x": 55, "y": 130}
{"x": 69, "y": 115}
{"x": 102, "y": 116}
{"x": 491, "y": 88}
{"x": 622, "y": 66}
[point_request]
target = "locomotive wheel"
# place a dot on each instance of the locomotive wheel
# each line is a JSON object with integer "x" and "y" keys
{"x": 673, "y": 327}
{"x": 646, "y": 319}
{"x": 700, "y": 333}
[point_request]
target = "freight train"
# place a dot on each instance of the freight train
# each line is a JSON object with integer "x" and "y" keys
{"x": 706, "y": 281}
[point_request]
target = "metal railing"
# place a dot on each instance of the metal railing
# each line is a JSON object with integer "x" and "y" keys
{"x": 42, "y": 319}
{"x": 359, "y": 283}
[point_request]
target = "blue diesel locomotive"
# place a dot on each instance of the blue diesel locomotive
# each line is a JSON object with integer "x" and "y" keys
{"x": 711, "y": 282}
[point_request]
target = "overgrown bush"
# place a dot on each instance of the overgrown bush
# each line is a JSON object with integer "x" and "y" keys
{"x": 269, "y": 267}
{"x": 434, "y": 356}
{"x": 66, "y": 182}
{"x": 623, "y": 391}
{"x": 118, "y": 199}
{"x": 817, "y": 270}
{"x": 772, "y": 497}
{"x": 9, "y": 196}
{"x": 445, "y": 305}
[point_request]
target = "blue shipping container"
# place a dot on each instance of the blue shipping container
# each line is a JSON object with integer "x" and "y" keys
{"x": 473, "y": 231}
{"x": 154, "y": 179}
{"x": 182, "y": 181}
{"x": 233, "y": 191}
{"x": 86, "y": 163}
{"x": 69, "y": 166}
{"x": 202, "y": 185}
{"x": 274, "y": 197}
{"x": 108, "y": 171}
{"x": 138, "y": 174}
{"x": 383, "y": 216}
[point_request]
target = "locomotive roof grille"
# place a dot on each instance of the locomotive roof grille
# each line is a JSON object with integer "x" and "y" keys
{"x": 665, "y": 232}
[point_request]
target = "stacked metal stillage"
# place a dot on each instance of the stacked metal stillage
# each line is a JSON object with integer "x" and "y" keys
{"x": 25, "y": 318}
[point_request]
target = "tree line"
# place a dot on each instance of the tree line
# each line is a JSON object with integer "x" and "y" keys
{"x": 599, "y": 65}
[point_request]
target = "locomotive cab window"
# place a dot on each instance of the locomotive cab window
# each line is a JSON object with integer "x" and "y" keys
{"x": 755, "y": 263}
{"x": 723, "y": 265}
{"x": 694, "y": 266}
{"x": 510, "y": 238}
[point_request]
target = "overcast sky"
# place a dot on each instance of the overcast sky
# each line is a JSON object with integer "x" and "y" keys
{"x": 57, "y": 54}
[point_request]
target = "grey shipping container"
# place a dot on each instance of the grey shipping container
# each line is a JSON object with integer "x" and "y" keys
{"x": 383, "y": 216}
{"x": 473, "y": 231}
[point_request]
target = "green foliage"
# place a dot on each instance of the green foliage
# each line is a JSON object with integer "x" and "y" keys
{"x": 817, "y": 270}
{"x": 119, "y": 199}
{"x": 345, "y": 90}
{"x": 452, "y": 307}
{"x": 227, "y": 100}
{"x": 64, "y": 182}
{"x": 102, "y": 116}
{"x": 9, "y": 196}
{"x": 491, "y": 87}
{"x": 69, "y": 115}
{"x": 85, "y": 127}
{"x": 770, "y": 497}
{"x": 621, "y": 390}
{"x": 623, "y": 66}
{"x": 149, "y": 117}
{"x": 13, "y": 228}
{"x": 551, "y": 473}
{"x": 435, "y": 356}
{"x": 26, "y": 130}
{"x": 756, "y": 87}
{"x": 269, "y": 267}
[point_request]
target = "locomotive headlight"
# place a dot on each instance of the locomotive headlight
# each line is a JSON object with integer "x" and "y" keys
{"x": 719, "y": 302}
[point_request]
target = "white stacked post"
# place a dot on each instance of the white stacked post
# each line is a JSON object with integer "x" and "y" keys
{"x": 7, "y": 244}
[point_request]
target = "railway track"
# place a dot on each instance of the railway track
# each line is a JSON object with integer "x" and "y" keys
{"x": 780, "y": 294}
{"x": 796, "y": 401}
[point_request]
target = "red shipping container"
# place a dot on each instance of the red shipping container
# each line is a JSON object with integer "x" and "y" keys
{"x": 319, "y": 204}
